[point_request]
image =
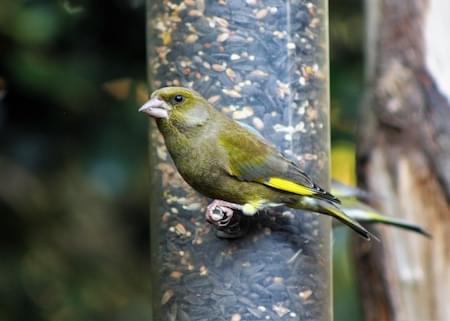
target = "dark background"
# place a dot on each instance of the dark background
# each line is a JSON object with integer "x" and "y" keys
{"x": 74, "y": 236}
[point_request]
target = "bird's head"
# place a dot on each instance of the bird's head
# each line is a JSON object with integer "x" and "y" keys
{"x": 177, "y": 105}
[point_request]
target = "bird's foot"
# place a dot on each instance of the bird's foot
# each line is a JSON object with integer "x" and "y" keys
{"x": 226, "y": 219}
{"x": 221, "y": 212}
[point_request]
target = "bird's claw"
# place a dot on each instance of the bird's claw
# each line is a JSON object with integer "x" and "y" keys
{"x": 219, "y": 215}
{"x": 228, "y": 224}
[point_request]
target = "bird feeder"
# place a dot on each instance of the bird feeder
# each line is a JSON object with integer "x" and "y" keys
{"x": 263, "y": 63}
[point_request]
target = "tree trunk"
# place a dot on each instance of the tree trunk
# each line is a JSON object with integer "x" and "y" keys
{"x": 404, "y": 159}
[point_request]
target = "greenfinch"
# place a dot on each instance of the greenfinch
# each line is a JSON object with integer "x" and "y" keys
{"x": 225, "y": 161}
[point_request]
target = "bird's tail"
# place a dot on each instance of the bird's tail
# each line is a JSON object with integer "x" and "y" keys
{"x": 369, "y": 215}
{"x": 327, "y": 208}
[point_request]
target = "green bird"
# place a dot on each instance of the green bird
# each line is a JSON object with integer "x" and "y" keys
{"x": 225, "y": 161}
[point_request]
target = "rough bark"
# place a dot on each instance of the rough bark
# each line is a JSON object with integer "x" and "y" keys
{"x": 404, "y": 159}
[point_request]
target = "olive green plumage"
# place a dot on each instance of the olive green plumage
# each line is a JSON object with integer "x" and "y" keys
{"x": 223, "y": 160}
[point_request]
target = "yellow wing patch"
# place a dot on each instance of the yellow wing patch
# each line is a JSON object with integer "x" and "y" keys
{"x": 289, "y": 186}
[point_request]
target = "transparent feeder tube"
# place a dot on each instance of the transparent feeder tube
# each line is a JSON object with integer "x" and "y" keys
{"x": 263, "y": 63}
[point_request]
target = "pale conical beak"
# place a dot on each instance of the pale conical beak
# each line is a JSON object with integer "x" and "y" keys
{"x": 156, "y": 108}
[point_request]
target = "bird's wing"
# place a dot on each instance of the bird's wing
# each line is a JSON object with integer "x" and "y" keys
{"x": 250, "y": 158}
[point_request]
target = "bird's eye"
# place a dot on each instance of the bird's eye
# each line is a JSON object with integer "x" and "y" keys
{"x": 178, "y": 99}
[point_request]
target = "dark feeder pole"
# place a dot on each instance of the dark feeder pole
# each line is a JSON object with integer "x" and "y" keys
{"x": 264, "y": 63}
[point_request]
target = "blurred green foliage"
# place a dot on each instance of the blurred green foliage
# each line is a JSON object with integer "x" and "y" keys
{"x": 73, "y": 196}
{"x": 346, "y": 81}
{"x": 73, "y": 167}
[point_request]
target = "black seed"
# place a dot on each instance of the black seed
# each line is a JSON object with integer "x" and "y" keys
{"x": 216, "y": 278}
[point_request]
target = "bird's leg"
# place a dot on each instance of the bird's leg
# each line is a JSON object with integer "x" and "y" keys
{"x": 220, "y": 212}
